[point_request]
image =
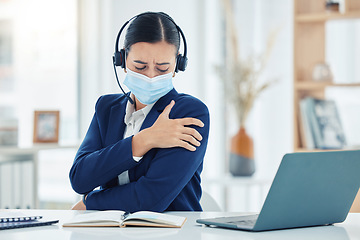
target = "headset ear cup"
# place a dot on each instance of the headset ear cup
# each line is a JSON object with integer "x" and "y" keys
{"x": 123, "y": 59}
{"x": 119, "y": 58}
{"x": 177, "y": 64}
{"x": 181, "y": 63}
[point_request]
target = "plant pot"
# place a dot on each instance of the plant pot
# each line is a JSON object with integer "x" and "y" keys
{"x": 241, "y": 162}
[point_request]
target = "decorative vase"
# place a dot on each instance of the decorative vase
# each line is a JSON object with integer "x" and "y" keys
{"x": 241, "y": 162}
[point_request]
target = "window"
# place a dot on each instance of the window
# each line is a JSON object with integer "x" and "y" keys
{"x": 38, "y": 64}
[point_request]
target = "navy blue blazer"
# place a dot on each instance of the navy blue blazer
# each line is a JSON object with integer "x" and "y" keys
{"x": 165, "y": 179}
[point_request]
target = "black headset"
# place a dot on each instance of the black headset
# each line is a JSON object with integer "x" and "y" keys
{"x": 119, "y": 57}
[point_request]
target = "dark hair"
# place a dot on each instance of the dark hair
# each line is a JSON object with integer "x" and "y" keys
{"x": 152, "y": 27}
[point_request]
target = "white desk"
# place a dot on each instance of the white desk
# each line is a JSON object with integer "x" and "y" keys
{"x": 348, "y": 230}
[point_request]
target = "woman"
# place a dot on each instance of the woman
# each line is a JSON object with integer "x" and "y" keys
{"x": 147, "y": 155}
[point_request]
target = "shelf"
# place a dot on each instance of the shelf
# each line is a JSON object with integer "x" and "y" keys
{"x": 35, "y": 148}
{"x": 310, "y": 28}
{"x": 308, "y": 150}
{"x": 326, "y": 150}
{"x": 322, "y": 17}
{"x": 309, "y": 85}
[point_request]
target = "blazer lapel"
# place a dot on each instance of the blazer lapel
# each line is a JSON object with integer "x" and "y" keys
{"x": 116, "y": 125}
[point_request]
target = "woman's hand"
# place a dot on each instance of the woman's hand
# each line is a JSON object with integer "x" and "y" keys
{"x": 167, "y": 133}
{"x": 79, "y": 205}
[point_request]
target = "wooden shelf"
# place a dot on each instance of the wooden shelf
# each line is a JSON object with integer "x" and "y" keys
{"x": 322, "y": 150}
{"x": 325, "y": 16}
{"x": 310, "y": 19}
{"x": 305, "y": 150}
{"x": 310, "y": 85}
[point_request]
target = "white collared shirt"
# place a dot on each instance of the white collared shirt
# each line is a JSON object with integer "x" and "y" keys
{"x": 133, "y": 121}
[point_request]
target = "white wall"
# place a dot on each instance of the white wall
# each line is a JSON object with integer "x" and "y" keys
{"x": 270, "y": 122}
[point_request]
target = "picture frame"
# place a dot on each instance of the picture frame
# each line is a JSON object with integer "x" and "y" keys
{"x": 46, "y": 126}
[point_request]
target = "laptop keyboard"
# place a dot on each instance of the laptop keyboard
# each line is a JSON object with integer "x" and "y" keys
{"x": 244, "y": 220}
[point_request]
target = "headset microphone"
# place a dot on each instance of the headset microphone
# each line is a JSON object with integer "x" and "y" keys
{"x": 117, "y": 79}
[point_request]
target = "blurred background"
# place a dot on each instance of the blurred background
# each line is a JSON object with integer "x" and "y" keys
{"x": 57, "y": 56}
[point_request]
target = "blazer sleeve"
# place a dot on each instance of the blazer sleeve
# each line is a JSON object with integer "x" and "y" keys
{"x": 95, "y": 165}
{"x": 170, "y": 170}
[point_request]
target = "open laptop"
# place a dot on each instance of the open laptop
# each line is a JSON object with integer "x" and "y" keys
{"x": 309, "y": 189}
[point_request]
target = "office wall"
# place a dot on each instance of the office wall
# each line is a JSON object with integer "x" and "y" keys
{"x": 270, "y": 122}
{"x": 271, "y": 119}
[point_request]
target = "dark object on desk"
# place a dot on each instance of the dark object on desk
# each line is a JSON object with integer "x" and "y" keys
{"x": 8, "y": 216}
{"x": 23, "y": 224}
{"x": 309, "y": 189}
{"x": 14, "y": 219}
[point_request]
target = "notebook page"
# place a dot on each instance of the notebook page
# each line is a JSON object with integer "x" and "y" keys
{"x": 95, "y": 218}
{"x": 160, "y": 218}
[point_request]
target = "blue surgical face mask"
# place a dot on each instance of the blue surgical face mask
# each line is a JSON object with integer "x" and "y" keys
{"x": 148, "y": 90}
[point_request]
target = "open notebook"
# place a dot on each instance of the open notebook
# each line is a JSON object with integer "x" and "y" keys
{"x": 123, "y": 219}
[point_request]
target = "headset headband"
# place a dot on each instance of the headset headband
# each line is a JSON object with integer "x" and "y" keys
{"x": 181, "y": 60}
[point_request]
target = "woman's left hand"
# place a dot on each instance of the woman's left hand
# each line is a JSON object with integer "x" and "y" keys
{"x": 79, "y": 206}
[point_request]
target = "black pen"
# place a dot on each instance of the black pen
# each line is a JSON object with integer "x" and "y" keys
{"x": 125, "y": 215}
